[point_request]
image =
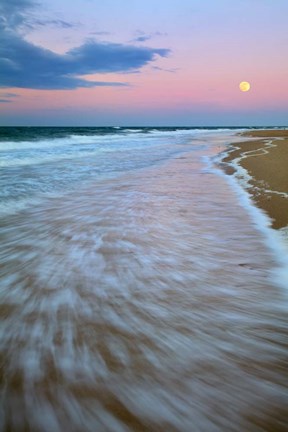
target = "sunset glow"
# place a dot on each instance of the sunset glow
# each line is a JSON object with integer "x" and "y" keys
{"x": 161, "y": 64}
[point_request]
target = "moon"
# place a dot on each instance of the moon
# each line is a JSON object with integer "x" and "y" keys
{"x": 244, "y": 86}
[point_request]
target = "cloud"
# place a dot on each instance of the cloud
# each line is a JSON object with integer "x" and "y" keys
{"x": 9, "y": 95}
{"x": 141, "y": 36}
{"x": 25, "y": 65}
{"x": 141, "y": 39}
{"x": 100, "y": 33}
{"x": 18, "y": 15}
{"x": 34, "y": 22}
{"x": 13, "y": 13}
{"x": 6, "y": 97}
{"x": 171, "y": 70}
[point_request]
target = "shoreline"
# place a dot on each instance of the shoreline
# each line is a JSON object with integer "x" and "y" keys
{"x": 261, "y": 164}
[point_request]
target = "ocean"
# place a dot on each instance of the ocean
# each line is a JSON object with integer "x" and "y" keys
{"x": 141, "y": 289}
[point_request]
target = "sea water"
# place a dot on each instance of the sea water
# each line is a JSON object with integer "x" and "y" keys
{"x": 141, "y": 290}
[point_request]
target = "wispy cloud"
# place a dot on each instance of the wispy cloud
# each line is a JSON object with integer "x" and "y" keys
{"x": 100, "y": 33}
{"x": 18, "y": 15}
{"x": 34, "y": 22}
{"x": 171, "y": 70}
{"x": 141, "y": 38}
{"x": 7, "y": 97}
{"x": 25, "y": 65}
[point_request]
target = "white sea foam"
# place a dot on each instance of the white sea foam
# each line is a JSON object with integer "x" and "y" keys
{"x": 275, "y": 240}
{"x": 133, "y": 130}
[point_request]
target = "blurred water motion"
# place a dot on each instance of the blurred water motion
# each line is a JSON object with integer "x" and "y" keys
{"x": 146, "y": 304}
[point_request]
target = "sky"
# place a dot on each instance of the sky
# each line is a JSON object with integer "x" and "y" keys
{"x": 143, "y": 62}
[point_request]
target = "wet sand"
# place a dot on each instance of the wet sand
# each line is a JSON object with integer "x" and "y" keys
{"x": 147, "y": 305}
{"x": 266, "y": 161}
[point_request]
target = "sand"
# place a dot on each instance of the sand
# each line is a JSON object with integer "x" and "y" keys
{"x": 266, "y": 161}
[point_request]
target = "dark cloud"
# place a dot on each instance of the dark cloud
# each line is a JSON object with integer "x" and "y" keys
{"x": 13, "y": 13}
{"x": 25, "y": 65}
{"x": 5, "y": 101}
{"x": 18, "y": 15}
{"x": 111, "y": 57}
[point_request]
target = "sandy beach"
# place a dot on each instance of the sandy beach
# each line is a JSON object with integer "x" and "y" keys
{"x": 266, "y": 161}
{"x": 140, "y": 295}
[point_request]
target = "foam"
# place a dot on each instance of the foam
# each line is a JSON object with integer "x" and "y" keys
{"x": 276, "y": 241}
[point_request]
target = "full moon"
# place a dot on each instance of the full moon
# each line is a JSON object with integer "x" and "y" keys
{"x": 244, "y": 86}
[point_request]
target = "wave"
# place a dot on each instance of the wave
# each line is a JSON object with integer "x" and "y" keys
{"x": 89, "y": 139}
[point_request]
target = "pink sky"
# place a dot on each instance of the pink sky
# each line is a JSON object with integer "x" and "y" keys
{"x": 211, "y": 49}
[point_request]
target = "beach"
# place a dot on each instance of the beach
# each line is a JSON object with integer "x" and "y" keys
{"x": 265, "y": 158}
{"x": 140, "y": 292}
